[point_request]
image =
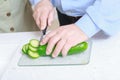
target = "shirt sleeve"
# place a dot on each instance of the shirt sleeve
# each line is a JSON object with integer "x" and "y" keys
{"x": 53, "y": 2}
{"x": 102, "y": 15}
{"x": 34, "y": 2}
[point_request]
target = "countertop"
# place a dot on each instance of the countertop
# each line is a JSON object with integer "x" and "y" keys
{"x": 104, "y": 61}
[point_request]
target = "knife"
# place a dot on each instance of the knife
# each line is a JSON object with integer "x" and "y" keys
{"x": 43, "y": 32}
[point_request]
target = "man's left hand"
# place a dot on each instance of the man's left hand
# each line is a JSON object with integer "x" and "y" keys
{"x": 63, "y": 38}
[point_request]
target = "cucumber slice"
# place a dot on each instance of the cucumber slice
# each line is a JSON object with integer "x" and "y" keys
{"x": 34, "y": 43}
{"x": 33, "y": 54}
{"x": 25, "y": 48}
{"x": 32, "y": 48}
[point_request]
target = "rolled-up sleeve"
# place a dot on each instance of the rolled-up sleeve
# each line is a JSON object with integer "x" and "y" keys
{"x": 34, "y": 2}
{"x": 87, "y": 26}
{"x": 102, "y": 15}
{"x": 53, "y": 2}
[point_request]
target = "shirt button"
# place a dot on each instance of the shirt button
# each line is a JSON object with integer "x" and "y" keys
{"x": 12, "y": 29}
{"x": 8, "y": 14}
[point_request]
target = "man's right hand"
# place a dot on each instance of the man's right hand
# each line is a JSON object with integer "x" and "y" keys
{"x": 43, "y": 14}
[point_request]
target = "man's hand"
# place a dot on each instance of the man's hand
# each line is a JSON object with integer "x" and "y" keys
{"x": 43, "y": 14}
{"x": 64, "y": 38}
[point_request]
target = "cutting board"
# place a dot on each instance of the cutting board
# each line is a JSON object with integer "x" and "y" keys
{"x": 76, "y": 59}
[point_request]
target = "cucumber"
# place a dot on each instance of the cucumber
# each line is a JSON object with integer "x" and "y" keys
{"x": 74, "y": 50}
{"x": 33, "y": 54}
{"x": 81, "y": 47}
{"x": 25, "y": 48}
{"x": 34, "y": 43}
{"x": 42, "y": 50}
{"x": 32, "y": 48}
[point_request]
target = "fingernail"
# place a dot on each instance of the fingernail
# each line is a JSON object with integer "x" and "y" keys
{"x": 49, "y": 24}
{"x": 42, "y": 27}
{"x": 47, "y": 53}
{"x": 64, "y": 55}
{"x": 54, "y": 56}
{"x": 41, "y": 43}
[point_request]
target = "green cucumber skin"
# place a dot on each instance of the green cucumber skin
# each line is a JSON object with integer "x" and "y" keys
{"x": 25, "y": 48}
{"x": 79, "y": 48}
{"x": 42, "y": 50}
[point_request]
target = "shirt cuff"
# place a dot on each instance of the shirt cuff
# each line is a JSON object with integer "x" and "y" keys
{"x": 87, "y": 26}
{"x": 53, "y": 2}
{"x": 34, "y": 2}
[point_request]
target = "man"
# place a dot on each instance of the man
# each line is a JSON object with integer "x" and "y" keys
{"x": 16, "y": 16}
{"x": 79, "y": 20}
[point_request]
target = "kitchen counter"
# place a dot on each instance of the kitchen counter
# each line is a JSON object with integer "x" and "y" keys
{"x": 103, "y": 65}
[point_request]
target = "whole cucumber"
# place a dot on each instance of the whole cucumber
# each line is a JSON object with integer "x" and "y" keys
{"x": 81, "y": 47}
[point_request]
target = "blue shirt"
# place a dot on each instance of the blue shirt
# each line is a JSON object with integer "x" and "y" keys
{"x": 34, "y": 2}
{"x": 96, "y": 14}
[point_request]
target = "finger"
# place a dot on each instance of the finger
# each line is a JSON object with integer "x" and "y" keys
{"x": 47, "y": 37}
{"x": 58, "y": 48}
{"x": 36, "y": 17}
{"x": 43, "y": 20}
{"x": 52, "y": 42}
{"x": 66, "y": 48}
{"x": 50, "y": 17}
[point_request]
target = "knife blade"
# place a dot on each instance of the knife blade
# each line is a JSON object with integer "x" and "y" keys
{"x": 43, "y": 32}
